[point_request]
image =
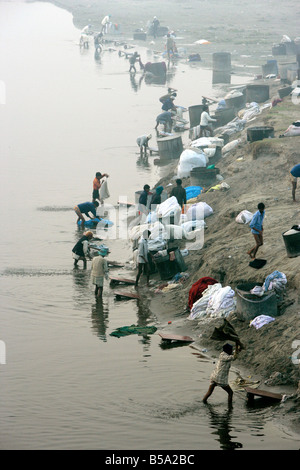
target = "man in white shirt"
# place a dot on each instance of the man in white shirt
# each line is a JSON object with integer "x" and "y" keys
{"x": 204, "y": 122}
{"x": 143, "y": 264}
{"x": 105, "y": 22}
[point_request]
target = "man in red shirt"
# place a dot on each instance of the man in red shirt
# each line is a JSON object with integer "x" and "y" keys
{"x": 97, "y": 185}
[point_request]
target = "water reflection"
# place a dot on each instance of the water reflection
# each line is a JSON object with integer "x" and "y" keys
{"x": 143, "y": 161}
{"x": 81, "y": 278}
{"x": 135, "y": 84}
{"x": 99, "y": 316}
{"x": 221, "y": 425}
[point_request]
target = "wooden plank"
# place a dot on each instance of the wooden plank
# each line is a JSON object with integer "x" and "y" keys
{"x": 171, "y": 337}
{"x": 252, "y": 392}
{"x": 121, "y": 280}
{"x": 128, "y": 204}
{"x": 126, "y": 295}
{"x": 115, "y": 264}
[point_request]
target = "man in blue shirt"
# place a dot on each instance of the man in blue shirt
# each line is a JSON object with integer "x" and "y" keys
{"x": 86, "y": 208}
{"x": 295, "y": 173}
{"x": 256, "y": 226}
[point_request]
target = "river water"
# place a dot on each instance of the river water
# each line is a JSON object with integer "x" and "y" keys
{"x": 66, "y": 383}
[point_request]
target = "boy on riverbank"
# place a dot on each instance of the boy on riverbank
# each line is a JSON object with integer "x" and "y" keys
{"x": 220, "y": 375}
{"x": 256, "y": 225}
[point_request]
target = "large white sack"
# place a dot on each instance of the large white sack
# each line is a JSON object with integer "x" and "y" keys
{"x": 244, "y": 217}
{"x": 191, "y": 225}
{"x": 207, "y": 141}
{"x": 157, "y": 231}
{"x": 190, "y": 159}
{"x": 230, "y": 146}
{"x": 169, "y": 207}
{"x": 199, "y": 211}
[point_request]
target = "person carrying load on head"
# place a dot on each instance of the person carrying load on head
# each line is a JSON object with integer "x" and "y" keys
{"x": 220, "y": 375}
{"x": 81, "y": 249}
{"x": 171, "y": 94}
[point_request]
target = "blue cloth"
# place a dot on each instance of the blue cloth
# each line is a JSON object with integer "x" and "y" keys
{"x": 86, "y": 207}
{"x": 192, "y": 191}
{"x": 295, "y": 171}
{"x": 257, "y": 222}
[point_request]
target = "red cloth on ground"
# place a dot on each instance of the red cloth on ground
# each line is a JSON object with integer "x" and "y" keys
{"x": 195, "y": 292}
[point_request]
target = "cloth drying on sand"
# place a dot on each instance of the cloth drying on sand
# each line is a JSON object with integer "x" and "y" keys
{"x": 197, "y": 289}
{"x": 132, "y": 329}
{"x": 257, "y": 263}
{"x": 261, "y": 320}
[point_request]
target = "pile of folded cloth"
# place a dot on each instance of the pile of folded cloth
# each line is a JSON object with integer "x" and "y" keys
{"x": 216, "y": 301}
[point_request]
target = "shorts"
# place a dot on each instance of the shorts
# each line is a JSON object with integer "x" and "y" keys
{"x": 98, "y": 281}
{"x": 293, "y": 178}
{"x": 95, "y": 194}
{"x": 203, "y": 127}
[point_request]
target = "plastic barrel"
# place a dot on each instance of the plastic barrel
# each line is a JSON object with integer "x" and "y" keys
{"x": 257, "y": 93}
{"x": 220, "y": 76}
{"x": 203, "y": 176}
{"x": 170, "y": 147}
{"x": 292, "y": 244}
{"x": 259, "y": 133}
{"x": 140, "y": 36}
{"x": 195, "y": 114}
{"x": 249, "y": 306}
{"x": 279, "y": 49}
{"x": 222, "y": 61}
{"x": 223, "y": 116}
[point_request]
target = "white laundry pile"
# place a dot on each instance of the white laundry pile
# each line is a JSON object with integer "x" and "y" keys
{"x": 257, "y": 290}
{"x": 190, "y": 159}
{"x": 261, "y": 320}
{"x": 216, "y": 301}
{"x": 275, "y": 281}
